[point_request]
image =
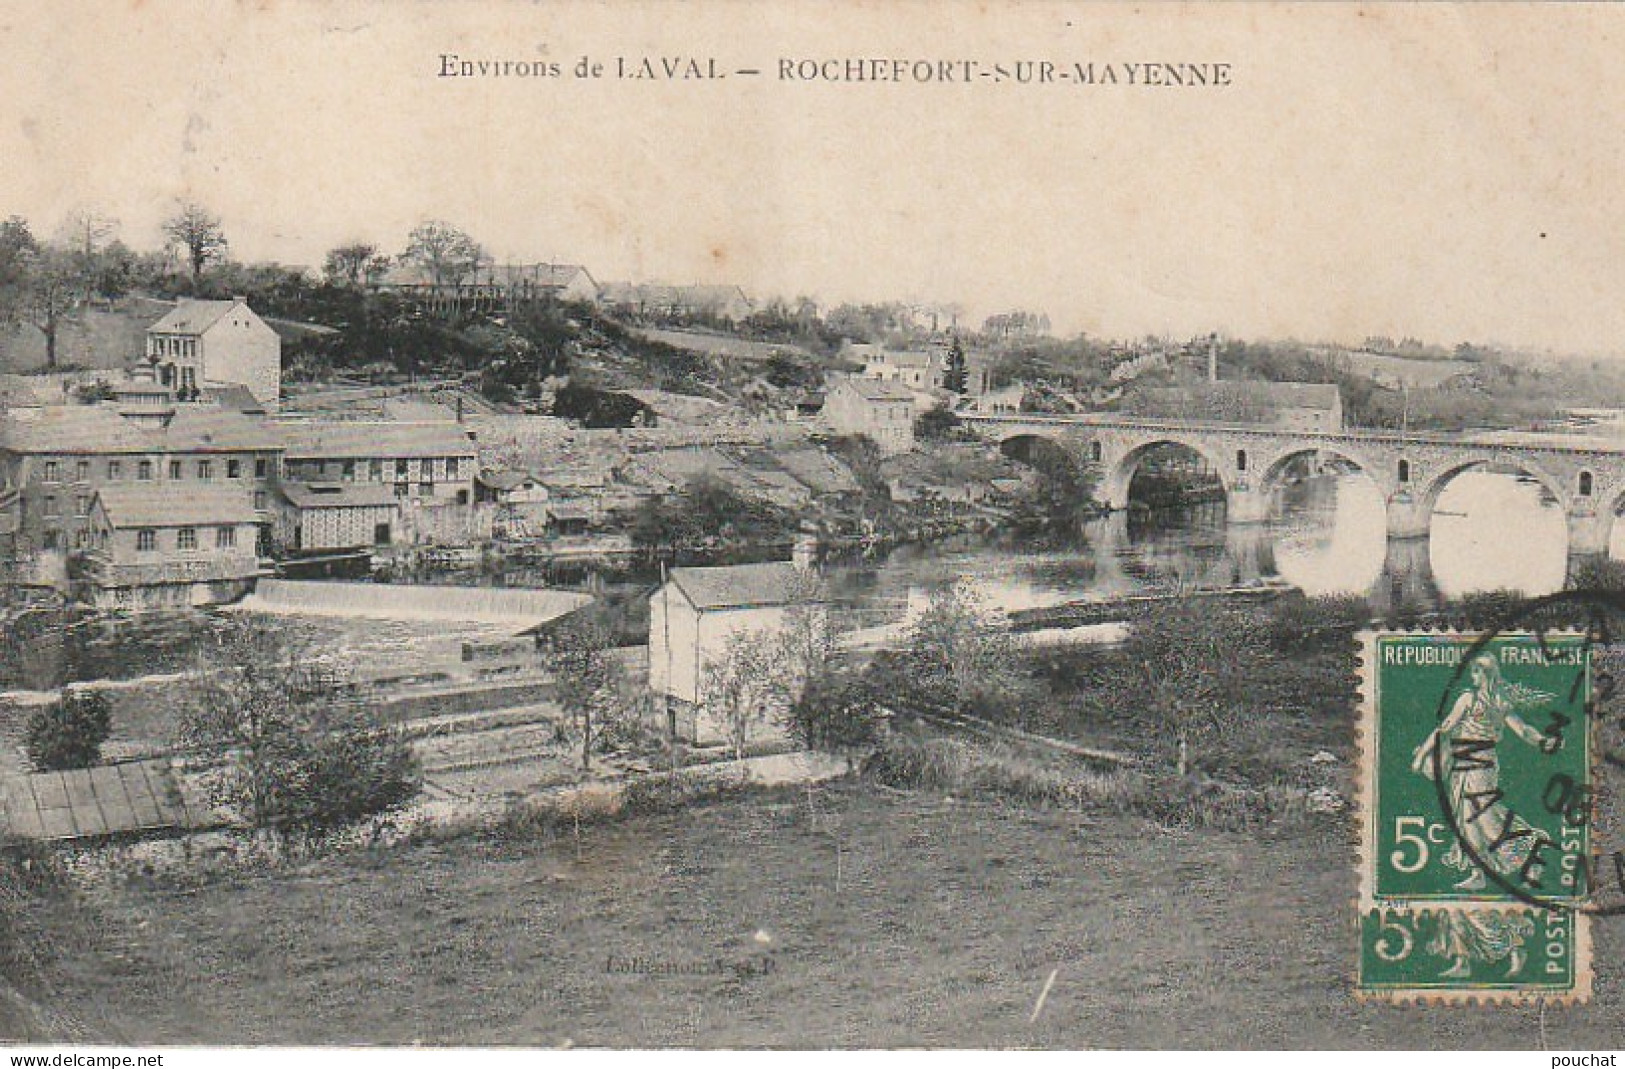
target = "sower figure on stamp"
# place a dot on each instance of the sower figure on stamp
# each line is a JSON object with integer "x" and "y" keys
{"x": 1463, "y": 748}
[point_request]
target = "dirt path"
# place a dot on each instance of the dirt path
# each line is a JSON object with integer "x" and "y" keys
{"x": 844, "y": 917}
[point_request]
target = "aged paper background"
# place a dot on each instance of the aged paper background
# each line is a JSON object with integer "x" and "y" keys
{"x": 1437, "y": 171}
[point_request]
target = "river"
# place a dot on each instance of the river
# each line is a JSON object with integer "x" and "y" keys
{"x": 1328, "y": 535}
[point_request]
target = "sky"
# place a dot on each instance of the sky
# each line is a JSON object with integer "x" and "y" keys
{"x": 1427, "y": 171}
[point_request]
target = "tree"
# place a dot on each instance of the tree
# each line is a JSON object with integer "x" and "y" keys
{"x": 85, "y": 232}
{"x": 54, "y": 290}
{"x": 69, "y": 733}
{"x": 746, "y": 685}
{"x": 1190, "y": 666}
{"x": 446, "y": 253}
{"x": 955, "y": 375}
{"x": 354, "y": 263}
{"x": 936, "y": 424}
{"x": 17, "y": 251}
{"x": 586, "y": 679}
{"x": 197, "y": 233}
{"x": 959, "y": 657}
{"x": 298, "y": 759}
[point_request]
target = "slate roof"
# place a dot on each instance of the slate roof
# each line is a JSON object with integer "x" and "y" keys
{"x": 168, "y": 504}
{"x": 736, "y": 586}
{"x": 192, "y": 317}
{"x": 98, "y": 429}
{"x": 877, "y": 389}
{"x": 350, "y": 440}
{"x": 338, "y": 495}
{"x": 73, "y": 429}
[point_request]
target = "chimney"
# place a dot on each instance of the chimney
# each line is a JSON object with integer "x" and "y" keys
{"x": 1213, "y": 357}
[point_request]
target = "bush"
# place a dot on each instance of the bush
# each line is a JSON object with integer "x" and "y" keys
{"x": 69, "y": 733}
{"x": 834, "y": 713}
{"x": 1298, "y": 624}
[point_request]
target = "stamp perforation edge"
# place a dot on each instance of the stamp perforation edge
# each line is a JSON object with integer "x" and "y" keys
{"x": 1365, "y": 816}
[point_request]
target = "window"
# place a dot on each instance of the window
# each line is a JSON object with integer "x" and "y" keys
{"x": 81, "y": 471}
{"x": 234, "y": 469}
{"x": 375, "y": 470}
{"x": 81, "y": 538}
{"x": 349, "y": 471}
{"x": 186, "y": 538}
{"x": 50, "y": 505}
{"x": 451, "y": 467}
{"x": 81, "y": 505}
{"x": 52, "y": 539}
{"x": 53, "y": 471}
{"x": 115, "y": 471}
{"x": 425, "y": 489}
{"x": 146, "y": 540}
{"x": 1094, "y": 451}
{"x": 1585, "y": 484}
{"x": 205, "y": 469}
{"x": 143, "y": 471}
{"x": 260, "y": 467}
{"x": 225, "y": 537}
{"x": 400, "y": 467}
{"x": 260, "y": 500}
{"x": 174, "y": 469}
{"x": 1404, "y": 471}
{"x": 1241, "y": 460}
{"x": 402, "y": 489}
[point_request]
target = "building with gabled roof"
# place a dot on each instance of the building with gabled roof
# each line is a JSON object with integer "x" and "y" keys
{"x": 164, "y": 545}
{"x": 328, "y": 516}
{"x": 200, "y": 343}
{"x": 879, "y": 410}
{"x": 59, "y": 456}
{"x": 694, "y": 615}
{"x": 431, "y": 463}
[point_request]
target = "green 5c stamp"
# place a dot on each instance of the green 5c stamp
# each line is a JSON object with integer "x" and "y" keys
{"x": 1475, "y": 830}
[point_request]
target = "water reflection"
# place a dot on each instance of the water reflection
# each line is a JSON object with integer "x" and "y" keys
{"x": 1498, "y": 531}
{"x": 1327, "y": 535}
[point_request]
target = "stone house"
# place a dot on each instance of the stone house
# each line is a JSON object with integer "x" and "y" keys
{"x": 692, "y": 617}
{"x": 215, "y": 343}
{"x": 167, "y": 545}
{"x": 881, "y": 411}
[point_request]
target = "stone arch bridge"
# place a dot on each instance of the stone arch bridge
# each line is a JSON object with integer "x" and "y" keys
{"x": 1585, "y": 477}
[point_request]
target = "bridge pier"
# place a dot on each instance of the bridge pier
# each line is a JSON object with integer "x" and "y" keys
{"x": 1245, "y": 504}
{"x": 1251, "y": 550}
{"x": 1406, "y": 581}
{"x": 1588, "y": 544}
{"x": 1409, "y": 517}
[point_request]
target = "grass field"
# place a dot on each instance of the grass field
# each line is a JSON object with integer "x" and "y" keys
{"x": 888, "y": 919}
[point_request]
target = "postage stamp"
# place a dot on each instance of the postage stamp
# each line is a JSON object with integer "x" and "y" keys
{"x": 1475, "y": 816}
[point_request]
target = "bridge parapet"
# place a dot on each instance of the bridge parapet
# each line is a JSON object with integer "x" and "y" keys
{"x": 1586, "y": 478}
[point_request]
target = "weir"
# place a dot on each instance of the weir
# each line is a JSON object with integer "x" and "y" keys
{"x": 520, "y": 607}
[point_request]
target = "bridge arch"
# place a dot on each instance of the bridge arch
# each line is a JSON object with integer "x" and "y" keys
{"x": 1427, "y": 498}
{"x": 1271, "y": 473}
{"x": 1118, "y": 472}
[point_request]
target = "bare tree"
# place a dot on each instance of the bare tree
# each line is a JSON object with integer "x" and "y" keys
{"x": 354, "y": 263}
{"x": 54, "y": 291}
{"x": 86, "y": 231}
{"x": 446, "y": 253}
{"x": 198, "y": 234}
{"x": 585, "y": 678}
{"x": 747, "y": 685}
